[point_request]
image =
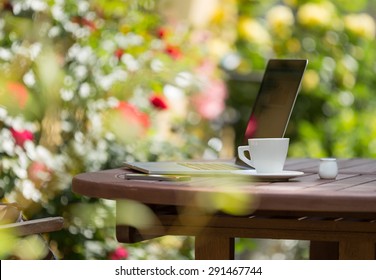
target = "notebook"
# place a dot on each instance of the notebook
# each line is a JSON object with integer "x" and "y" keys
{"x": 269, "y": 118}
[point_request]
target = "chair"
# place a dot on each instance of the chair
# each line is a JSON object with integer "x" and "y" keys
{"x": 13, "y": 223}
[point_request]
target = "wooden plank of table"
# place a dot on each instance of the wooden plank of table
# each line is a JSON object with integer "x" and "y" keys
{"x": 209, "y": 247}
{"x": 368, "y": 187}
{"x": 344, "y": 183}
{"x": 215, "y": 239}
{"x": 304, "y": 228}
{"x": 306, "y": 193}
{"x": 323, "y": 250}
{"x": 362, "y": 166}
{"x": 355, "y": 249}
{"x": 320, "y": 195}
{"x": 353, "y": 165}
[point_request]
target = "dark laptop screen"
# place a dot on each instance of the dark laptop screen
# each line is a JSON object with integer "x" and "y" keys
{"x": 276, "y": 98}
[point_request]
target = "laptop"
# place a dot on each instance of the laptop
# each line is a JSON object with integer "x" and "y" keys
{"x": 269, "y": 118}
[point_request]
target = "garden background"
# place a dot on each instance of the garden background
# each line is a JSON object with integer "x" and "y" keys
{"x": 85, "y": 85}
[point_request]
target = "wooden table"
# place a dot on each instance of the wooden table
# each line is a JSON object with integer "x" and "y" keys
{"x": 337, "y": 216}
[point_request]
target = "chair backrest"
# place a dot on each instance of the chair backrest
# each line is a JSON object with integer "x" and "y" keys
{"x": 42, "y": 225}
{"x": 13, "y": 228}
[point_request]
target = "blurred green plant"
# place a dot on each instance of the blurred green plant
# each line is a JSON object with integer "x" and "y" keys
{"x": 86, "y": 85}
{"x": 333, "y": 114}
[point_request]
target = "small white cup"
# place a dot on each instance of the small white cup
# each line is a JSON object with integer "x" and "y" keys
{"x": 328, "y": 168}
{"x": 268, "y": 155}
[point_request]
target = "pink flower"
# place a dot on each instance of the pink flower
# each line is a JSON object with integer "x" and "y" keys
{"x": 158, "y": 102}
{"x": 39, "y": 173}
{"x": 206, "y": 68}
{"x": 22, "y": 136}
{"x": 210, "y": 103}
{"x": 120, "y": 253}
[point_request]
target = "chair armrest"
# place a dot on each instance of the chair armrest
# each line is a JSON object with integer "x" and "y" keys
{"x": 36, "y": 226}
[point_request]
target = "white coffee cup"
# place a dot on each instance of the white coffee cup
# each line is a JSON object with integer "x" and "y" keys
{"x": 267, "y": 155}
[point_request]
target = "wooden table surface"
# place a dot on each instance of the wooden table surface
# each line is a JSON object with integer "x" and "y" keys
{"x": 338, "y": 216}
{"x": 353, "y": 191}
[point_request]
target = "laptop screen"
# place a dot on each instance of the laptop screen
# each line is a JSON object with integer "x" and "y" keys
{"x": 276, "y": 98}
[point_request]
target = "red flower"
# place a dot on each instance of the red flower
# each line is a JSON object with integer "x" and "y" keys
{"x": 173, "y": 51}
{"x": 89, "y": 23}
{"x": 162, "y": 33}
{"x": 120, "y": 253}
{"x": 119, "y": 53}
{"x": 22, "y": 136}
{"x": 84, "y": 22}
{"x": 159, "y": 102}
{"x": 20, "y": 93}
{"x": 126, "y": 122}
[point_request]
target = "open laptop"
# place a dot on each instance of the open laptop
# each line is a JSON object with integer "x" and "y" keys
{"x": 268, "y": 119}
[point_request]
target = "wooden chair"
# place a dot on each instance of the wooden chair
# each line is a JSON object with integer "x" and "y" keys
{"x": 12, "y": 221}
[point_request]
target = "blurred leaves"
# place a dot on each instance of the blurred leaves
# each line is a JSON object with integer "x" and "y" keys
{"x": 8, "y": 243}
{"x": 76, "y": 85}
{"x": 77, "y": 77}
{"x": 336, "y": 99}
{"x": 227, "y": 197}
{"x": 134, "y": 214}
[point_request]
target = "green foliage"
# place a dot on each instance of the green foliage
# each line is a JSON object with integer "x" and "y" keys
{"x": 84, "y": 86}
{"x": 333, "y": 114}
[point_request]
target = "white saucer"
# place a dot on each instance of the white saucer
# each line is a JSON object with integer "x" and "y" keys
{"x": 284, "y": 175}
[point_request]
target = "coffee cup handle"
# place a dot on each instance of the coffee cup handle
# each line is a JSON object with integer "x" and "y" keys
{"x": 241, "y": 150}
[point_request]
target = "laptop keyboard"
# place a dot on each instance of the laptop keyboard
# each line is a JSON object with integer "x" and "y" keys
{"x": 208, "y": 166}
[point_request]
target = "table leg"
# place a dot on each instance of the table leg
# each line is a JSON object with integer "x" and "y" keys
{"x": 208, "y": 247}
{"x": 323, "y": 250}
{"x": 355, "y": 249}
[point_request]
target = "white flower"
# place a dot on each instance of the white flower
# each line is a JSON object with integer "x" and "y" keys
{"x": 34, "y": 50}
{"x": 184, "y": 79}
{"x": 156, "y": 65}
{"x": 173, "y": 93}
{"x": 66, "y": 94}
{"x": 58, "y": 13}
{"x": 80, "y": 72}
{"x": 5, "y": 54}
{"x": 82, "y": 55}
{"x": 84, "y": 90}
{"x": 7, "y": 144}
{"x": 29, "y": 78}
{"x": 29, "y": 191}
{"x": 20, "y": 172}
{"x": 131, "y": 63}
